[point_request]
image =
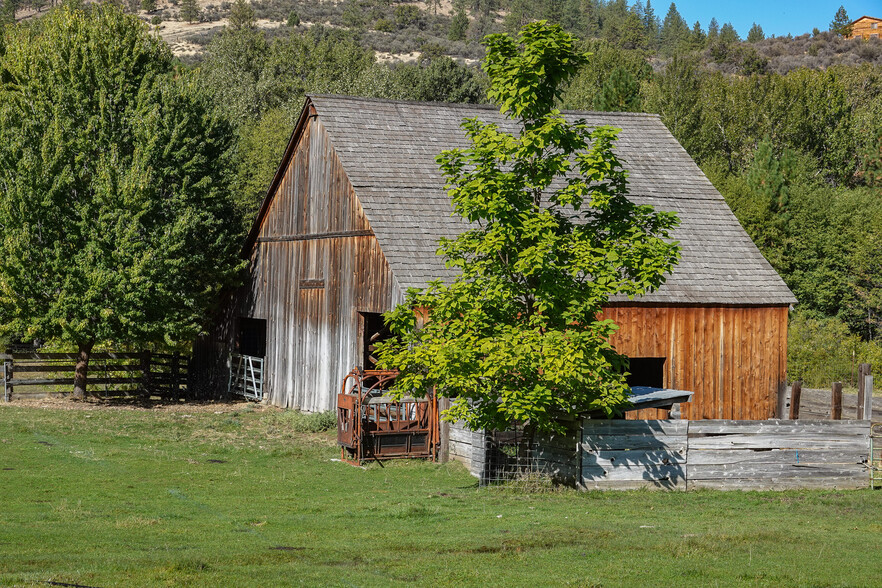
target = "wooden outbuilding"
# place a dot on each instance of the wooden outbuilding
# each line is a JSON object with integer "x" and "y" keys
{"x": 353, "y": 217}
{"x": 866, "y": 27}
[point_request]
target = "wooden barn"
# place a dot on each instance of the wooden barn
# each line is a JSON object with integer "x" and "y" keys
{"x": 353, "y": 218}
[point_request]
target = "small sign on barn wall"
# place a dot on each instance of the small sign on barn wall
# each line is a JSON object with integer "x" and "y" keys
{"x": 312, "y": 284}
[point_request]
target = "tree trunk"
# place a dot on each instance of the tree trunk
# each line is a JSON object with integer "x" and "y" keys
{"x": 82, "y": 370}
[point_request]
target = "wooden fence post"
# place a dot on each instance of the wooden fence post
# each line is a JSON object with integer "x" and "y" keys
{"x": 175, "y": 388}
{"x": 795, "y": 397}
{"x": 444, "y": 404}
{"x": 863, "y": 372}
{"x": 836, "y": 402}
{"x": 7, "y": 376}
{"x": 146, "y": 384}
{"x": 868, "y": 397}
{"x": 782, "y": 400}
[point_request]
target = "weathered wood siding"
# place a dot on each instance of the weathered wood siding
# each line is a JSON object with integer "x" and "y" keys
{"x": 727, "y": 455}
{"x": 732, "y": 358}
{"x": 314, "y": 267}
{"x": 771, "y": 455}
{"x": 634, "y": 454}
{"x": 469, "y": 448}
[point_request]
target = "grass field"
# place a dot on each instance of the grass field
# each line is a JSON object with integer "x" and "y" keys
{"x": 245, "y": 496}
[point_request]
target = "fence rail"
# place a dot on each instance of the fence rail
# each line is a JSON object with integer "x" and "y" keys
{"x": 115, "y": 373}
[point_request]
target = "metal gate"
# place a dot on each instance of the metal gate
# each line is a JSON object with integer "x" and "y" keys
{"x": 246, "y": 376}
{"x": 372, "y": 426}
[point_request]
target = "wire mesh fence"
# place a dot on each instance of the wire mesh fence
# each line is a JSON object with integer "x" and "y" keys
{"x": 516, "y": 459}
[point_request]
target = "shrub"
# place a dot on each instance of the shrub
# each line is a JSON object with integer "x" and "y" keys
{"x": 384, "y": 25}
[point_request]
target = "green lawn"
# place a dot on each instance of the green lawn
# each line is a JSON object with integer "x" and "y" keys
{"x": 117, "y": 497}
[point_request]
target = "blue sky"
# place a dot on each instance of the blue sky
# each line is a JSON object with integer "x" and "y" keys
{"x": 777, "y": 17}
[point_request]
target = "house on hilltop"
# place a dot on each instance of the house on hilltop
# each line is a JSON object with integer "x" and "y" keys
{"x": 866, "y": 27}
{"x": 353, "y": 217}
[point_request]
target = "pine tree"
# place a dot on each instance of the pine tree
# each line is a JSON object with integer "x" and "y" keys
{"x": 651, "y": 24}
{"x": 674, "y": 30}
{"x": 728, "y": 34}
{"x": 190, "y": 11}
{"x": 459, "y": 24}
{"x": 713, "y": 30}
{"x": 620, "y": 93}
{"x": 756, "y": 34}
{"x": 697, "y": 38}
{"x": 841, "y": 24}
{"x": 241, "y": 15}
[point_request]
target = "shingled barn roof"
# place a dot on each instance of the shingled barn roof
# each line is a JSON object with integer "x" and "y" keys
{"x": 388, "y": 150}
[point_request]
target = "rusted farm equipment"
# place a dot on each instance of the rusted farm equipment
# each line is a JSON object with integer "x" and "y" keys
{"x": 370, "y": 425}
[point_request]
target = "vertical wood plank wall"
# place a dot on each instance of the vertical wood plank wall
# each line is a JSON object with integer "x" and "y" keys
{"x": 732, "y": 358}
{"x": 312, "y": 327}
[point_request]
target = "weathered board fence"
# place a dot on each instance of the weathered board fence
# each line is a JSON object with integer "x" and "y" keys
{"x": 110, "y": 374}
{"x": 681, "y": 455}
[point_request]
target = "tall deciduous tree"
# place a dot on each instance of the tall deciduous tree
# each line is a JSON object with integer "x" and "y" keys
{"x": 516, "y": 336}
{"x": 115, "y": 218}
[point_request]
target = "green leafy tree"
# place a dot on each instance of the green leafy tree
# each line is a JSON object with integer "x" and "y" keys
{"x": 582, "y": 90}
{"x": 516, "y": 336}
{"x": 620, "y": 93}
{"x": 676, "y": 95}
{"x": 841, "y": 24}
{"x": 148, "y": 5}
{"x": 242, "y": 15}
{"x": 190, "y": 11}
{"x": 116, "y": 220}
{"x": 755, "y": 34}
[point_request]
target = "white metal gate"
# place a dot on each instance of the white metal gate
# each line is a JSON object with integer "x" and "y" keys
{"x": 246, "y": 376}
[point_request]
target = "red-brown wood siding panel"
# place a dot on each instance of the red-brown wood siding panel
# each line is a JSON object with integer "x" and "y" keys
{"x": 732, "y": 358}
{"x": 312, "y": 331}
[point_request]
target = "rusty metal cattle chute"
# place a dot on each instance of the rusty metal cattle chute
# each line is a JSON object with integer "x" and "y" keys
{"x": 371, "y": 425}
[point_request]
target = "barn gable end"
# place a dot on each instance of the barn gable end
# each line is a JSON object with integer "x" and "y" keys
{"x": 315, "y": 267}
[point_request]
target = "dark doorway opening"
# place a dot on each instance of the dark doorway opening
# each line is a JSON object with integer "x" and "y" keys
{"x": 251, "y": 337}
{"x": 647, "y": 371}
{"x": 373, "y": 330}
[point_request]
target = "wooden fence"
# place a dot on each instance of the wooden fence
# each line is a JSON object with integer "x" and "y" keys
{"x": 681, "y": 455}
{"x": 110, "y": 374}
